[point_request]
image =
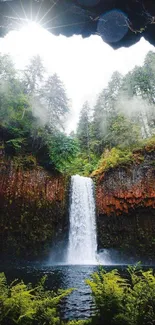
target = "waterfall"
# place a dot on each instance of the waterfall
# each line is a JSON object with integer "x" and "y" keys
{"x": 82, "y": 245}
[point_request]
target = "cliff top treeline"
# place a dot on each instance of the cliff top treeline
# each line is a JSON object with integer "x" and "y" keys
{"x": 34, "y": 109}
{"x": 121, "y": 121}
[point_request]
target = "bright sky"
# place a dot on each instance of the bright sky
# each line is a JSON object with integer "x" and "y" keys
{"x": 84, "y": 65}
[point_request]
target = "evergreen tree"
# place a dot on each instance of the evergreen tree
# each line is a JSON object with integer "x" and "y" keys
{"x": 55, "y": 100}
{"x": 7, "y": 69}
{"x": 136, "y": 90}
{"x": 114, "y": 87}
{"x": 122, "y": 132}
{"x": 83, "y": 129}
{"x": 104, "y": 111}
{"x": 26, "y": 133}
{"x": 33, "y": 75}
{"x": 99, "y": 122}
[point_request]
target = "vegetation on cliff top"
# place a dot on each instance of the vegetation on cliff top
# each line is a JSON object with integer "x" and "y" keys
{"x": 121, "y": 121}
{"x": 119, "y": 157}
{"x": 34, "y": 109}
{"x": 33, "y": 112}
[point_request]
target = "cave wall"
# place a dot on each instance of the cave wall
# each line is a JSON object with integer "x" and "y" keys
{"x": 82, "y": 17}
{"x": 33, "y": 210}
{"x": 125, "y": 199}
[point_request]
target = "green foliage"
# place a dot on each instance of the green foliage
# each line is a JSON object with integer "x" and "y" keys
{"x": 34, "y": 108}
{"x": 113, "y": 158}
{"x": 25, "y": 162}
{"x": 32, "y": 113}
{"x": 140, "y": 299}
{"x": 82, "y": 164}
{"x": 55, "y": 99}
{"x": 7, "y": 70}
{"x": 105, "y": 112}
{"x": 79, "y": 322}
{"x": 14, "y": 146}
{"x": 122, "y": 132}
{"x": 62, "y": 150}
{"x": 148, "y": 144}
{"x": 22, "y": 304}
{"x": 83, "y": 129}
{"x": 33, "y": 76}
{"x": 108, "y": 292}
{"x": 138, "y": 88}
{"x": 123, "y": 117}
{"x": 118, "y": 300}
{"x": 119, "y": 156}
{"x": 124, "y": 302}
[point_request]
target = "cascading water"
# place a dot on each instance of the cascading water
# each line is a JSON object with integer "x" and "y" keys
{"x": 82, "y": 245}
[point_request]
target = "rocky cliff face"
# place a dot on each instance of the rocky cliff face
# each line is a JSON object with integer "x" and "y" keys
{"x": 125, "y": 198}
{"x": 33, "y": 210}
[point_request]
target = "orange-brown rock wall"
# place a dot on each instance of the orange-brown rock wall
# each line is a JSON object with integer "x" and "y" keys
{"x": 33, "y": 210}
{"x": 125, "y": 200}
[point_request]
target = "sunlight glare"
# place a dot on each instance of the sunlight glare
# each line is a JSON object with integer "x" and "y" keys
{"x": 32, "y": 36}
{"x": 31, "y": 26}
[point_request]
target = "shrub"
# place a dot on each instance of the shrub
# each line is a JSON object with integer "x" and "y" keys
{"x": 140, "y": 298}
{"x": 124, "y": 302}
{"x": 113, "y": 158}
{"x": 22, "y": 304}
{"x": 25, "y": 162}
{"x": 108, "y": 293}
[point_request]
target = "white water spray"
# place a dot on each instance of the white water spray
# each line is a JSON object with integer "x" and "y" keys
{"x": 82, "y": 246}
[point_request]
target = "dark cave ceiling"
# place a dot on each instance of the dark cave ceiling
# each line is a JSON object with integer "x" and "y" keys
{"x": 118, "y": 22}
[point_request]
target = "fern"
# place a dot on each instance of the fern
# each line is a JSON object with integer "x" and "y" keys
{"x": 24, "y": 305}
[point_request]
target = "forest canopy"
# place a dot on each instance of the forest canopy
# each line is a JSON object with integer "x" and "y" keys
{"x": 123, "y": 117}
{"x": 34, "y": 110}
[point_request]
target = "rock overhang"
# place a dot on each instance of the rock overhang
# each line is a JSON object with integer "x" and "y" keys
{"x": 118, "y": 22}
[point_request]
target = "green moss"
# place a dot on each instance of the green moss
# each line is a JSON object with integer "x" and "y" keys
{"x": 25, "y": 162}
{"x": 113, "y": 158}
{"x": 147, "y": 145}
{"x": 123, "y": 157}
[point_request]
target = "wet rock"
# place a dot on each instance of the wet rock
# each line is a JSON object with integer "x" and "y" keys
{"x": 125, "y": 199}
{"x": 33, "y": 210}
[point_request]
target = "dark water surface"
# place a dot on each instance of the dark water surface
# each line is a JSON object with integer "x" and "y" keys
{"x": 79, "y": 303}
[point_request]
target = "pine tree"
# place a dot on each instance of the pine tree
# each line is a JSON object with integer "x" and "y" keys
{"x": 33, "y": 76}
{"x": 114, "y": 87}
{"x": 138, "y": 91}
{"x": 55, "y": 100}
{"x": 7, "y": 69}
{"x": 83, "y": 129}
{"x": 104, "y": 111}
